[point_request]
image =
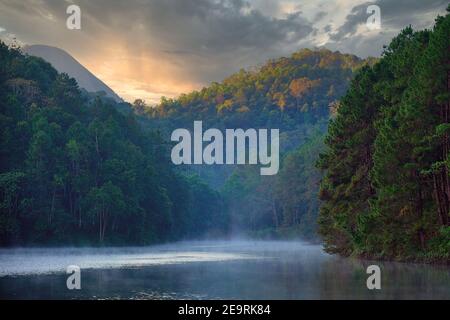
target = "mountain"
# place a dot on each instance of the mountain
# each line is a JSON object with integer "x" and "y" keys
{"x": 295, "y": 94}
{"x": 65, "y": 63}
{"x": 63, "y": 153}
{"x": 284, "y": 93}
{"x": 292, "y": 94}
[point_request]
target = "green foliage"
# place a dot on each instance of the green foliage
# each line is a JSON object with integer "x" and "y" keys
{"x": 440, "y": 245}
{"x": 76, "y": 170}
{"x": 284, "y": 93}
{"x": 291, "y": 94}
{"x": 386, "y": 188}
{"x": 297, "y": 186}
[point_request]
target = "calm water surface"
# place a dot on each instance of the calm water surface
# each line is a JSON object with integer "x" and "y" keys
{"x": 212, "y": 270}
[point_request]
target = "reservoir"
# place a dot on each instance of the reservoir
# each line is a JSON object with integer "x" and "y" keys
{"x": 212, "y": 270}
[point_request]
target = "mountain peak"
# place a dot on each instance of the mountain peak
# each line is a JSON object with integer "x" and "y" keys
{"x": 64, "y": 62}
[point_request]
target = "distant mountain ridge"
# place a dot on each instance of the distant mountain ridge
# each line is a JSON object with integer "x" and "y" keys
{"x": 64, "y": 62}
{"x": 295, "y": 94}
{"x": 283, "y": 93}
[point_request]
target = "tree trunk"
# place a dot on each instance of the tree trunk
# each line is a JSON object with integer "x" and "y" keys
{"x": 275, "y": 214}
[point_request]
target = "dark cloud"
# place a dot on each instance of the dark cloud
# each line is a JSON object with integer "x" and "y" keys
{"x": 394, "y": 15}
{"x": 179, "y": 44}
{"x": 220, "y": 33}
{"x": 356, "y": 17}
{"x": 197, "y": 25}
{"x": 320, "y": 15}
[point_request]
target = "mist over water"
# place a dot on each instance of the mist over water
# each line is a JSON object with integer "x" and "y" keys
{"x": 48, "y": 261}
{"x": 212, "y": 270}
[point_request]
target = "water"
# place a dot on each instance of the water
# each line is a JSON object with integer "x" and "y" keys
{"x": 212, "y": 270}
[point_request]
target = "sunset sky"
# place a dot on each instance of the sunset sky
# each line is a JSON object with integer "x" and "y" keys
{"x": 152, "y": 48}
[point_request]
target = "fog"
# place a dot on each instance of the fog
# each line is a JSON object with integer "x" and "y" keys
{"x": 240, "y": 269}
{"x": 27, "y": 261}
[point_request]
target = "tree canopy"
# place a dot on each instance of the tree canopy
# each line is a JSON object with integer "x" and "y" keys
{"x": 79, "y": 169}
{"x": 386, "y": 188}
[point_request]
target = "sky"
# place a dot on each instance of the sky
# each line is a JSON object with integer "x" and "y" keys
{"x": 152, "y": 48}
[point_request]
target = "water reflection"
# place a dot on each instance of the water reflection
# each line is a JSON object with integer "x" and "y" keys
{"x": 213, "y": 270}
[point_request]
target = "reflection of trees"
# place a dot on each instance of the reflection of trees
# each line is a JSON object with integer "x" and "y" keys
{"x": 345, "y": 278}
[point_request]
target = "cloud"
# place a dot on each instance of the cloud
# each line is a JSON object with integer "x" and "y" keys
{"x": 145, "y": 48}
{"x": 179, "y": 43}
{"x": 394, "y": 15}
{"x": 320, "y": 15}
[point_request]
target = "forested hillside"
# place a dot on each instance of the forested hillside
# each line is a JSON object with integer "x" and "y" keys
{"x": 296, "y": 94}
{"x": 75, "y": 170}
{"x": 281, "y": 206}
{"x": 386, "y": 188}
{"x": 284, "y": 93}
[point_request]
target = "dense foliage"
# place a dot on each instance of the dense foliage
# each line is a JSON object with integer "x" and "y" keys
{"x": 294, "y": 94}
{"x": 76, "y": 170}
{"x": 386, "y": 189}
{"x": 284, "y": 93}
{"x": 281, "y": 206}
